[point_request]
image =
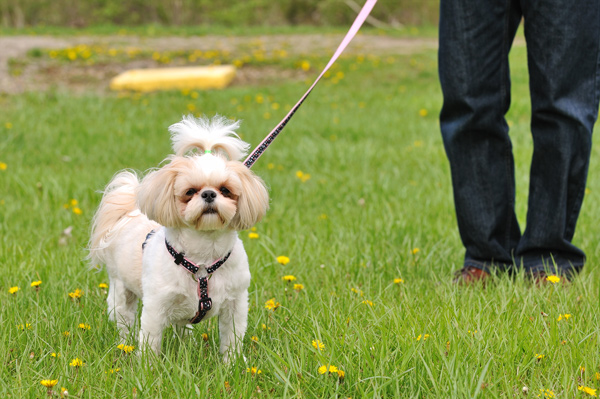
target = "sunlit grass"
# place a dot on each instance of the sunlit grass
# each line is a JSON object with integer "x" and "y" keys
{"x": 361, "y": 216}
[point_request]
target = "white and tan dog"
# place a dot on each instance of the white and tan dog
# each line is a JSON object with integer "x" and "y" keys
{"x": 195, "y": 204}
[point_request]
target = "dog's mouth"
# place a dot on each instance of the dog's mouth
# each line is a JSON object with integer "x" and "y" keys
{"x": 210, "y": 211}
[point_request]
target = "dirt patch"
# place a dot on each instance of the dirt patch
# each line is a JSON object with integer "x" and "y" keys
{"x": 39, "y": 74}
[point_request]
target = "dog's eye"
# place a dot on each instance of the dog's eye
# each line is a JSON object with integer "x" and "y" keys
{"x": 225, "y": 191}
{"x": 191, "y": 191}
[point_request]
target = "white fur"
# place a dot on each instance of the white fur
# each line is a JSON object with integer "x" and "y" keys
{"x": 216, "y": 134}
{"x": 205, "y": 232}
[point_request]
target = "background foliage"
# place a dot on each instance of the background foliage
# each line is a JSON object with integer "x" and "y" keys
{"x": 78, "y": 13}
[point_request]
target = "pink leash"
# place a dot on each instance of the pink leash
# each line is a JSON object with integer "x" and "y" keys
{"x": 360, "y": 19}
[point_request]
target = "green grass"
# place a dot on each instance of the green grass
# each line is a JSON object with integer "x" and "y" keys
{"x": 379, "y": 188}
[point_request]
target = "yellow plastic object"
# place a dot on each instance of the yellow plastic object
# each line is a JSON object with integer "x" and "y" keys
{"x": 201, "y": 78}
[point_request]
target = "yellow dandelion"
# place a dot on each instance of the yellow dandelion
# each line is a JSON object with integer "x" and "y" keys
{"x": 55, "y": 355}
{"x": 305, "y": 65}
{"x": 77, "y": 211}
{"x": 36, "y": 284}
{"x": 323, "y": 216}
{"x": 423, "y": 112}
{"x": 103, "y": 286}
{"x": 113, "y": 371}
{"x": 298, "y": 287}
{"x": 341, "y": 374}
{"x": 289, "y": 278}
{"x": 302, "y": 176}
{"x": 565, "y": 316}
{"x": 73, "y": 202}
{"x": 367, "y": 302}
{"x": 333, "y": 369}
{"x": 126, "y": 348}
{"x": 23, "y": 327}
{"x": 271, "y": 304}
{"x": 77, "y": 362}
{"x": 84, "y": 326}
{"x": 415, "y": 251}
{"x": 253, "y": 235}
{"x": 284, "y": 260}
{"x": 553, "y": 279}
{"x": 205, "y": 337}
{"x": 253, "y": 370}
{"x": 546, "y": 393}
{"x": 589, "y": 391}
{"x": 398, "y": 281}
{"x": 259, "y": 99}
{"x": 322, "y": 369}
{"x": 3, "y": 166}
{"x": 254, "y": 338}
{"x": 76, "y": 294}
{"x": 13, "y": 290}
{"x": 49, "y": 383}
{"x": 318, "y": 344}
{"x": 539, "y": 356}
{"x": 66, "y": 333}
{"x": 8, "y": 125}
{"x": 357, "y": 291}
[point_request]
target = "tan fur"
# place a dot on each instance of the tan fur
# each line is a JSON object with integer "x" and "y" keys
{"x": 253, "y": 203}
{"x": 156, "y": 195}
{"x": 117, "y": 202}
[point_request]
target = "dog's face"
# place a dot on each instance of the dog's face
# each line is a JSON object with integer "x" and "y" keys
{"x": 207, "y": 195}
{"x": 204, "y": 193}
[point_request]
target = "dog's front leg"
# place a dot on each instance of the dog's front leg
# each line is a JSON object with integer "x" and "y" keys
{"x": 152, "y": 325}
{"x": 233, "y": 320}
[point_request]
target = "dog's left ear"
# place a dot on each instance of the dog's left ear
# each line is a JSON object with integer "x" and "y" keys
{"x": 253, "y": 200}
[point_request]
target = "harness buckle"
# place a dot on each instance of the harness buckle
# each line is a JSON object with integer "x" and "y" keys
{"x": 206, "y": 304}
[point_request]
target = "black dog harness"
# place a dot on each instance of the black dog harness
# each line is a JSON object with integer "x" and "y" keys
{"x": 204, "y": 301}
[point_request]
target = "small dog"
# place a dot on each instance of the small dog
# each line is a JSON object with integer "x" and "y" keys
{"x": 171, "y": 238}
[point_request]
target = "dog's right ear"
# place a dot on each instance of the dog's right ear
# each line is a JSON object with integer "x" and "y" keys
{"x": 156, "y": 195}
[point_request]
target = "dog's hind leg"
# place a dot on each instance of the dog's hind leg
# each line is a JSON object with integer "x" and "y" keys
{"x": 122, "y": 307}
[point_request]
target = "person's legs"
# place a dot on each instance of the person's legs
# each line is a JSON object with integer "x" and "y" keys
{"x": 563, "y": 46}
{"x": 475, "y": 39}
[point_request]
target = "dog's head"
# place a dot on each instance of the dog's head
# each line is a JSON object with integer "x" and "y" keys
{"x": 205, "y": 191}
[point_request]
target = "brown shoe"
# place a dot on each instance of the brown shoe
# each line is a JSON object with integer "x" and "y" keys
{"x": 469, "y": 275}
{"x": 539, "y": 278}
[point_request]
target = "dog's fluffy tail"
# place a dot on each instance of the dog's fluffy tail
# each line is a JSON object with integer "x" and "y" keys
{"x": 117, "y": 208}
{"x": 216, "y": 135}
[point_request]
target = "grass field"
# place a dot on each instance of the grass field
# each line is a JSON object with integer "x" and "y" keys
{"x": 361, "y": 204}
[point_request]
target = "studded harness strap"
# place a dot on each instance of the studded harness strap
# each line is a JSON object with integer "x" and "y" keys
{"x": 204, "y": 301}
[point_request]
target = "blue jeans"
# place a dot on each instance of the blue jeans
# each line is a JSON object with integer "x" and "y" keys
{"x": 563, "y": 47}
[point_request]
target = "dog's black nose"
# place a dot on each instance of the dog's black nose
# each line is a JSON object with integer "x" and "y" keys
{"x": 208, "y": 196}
